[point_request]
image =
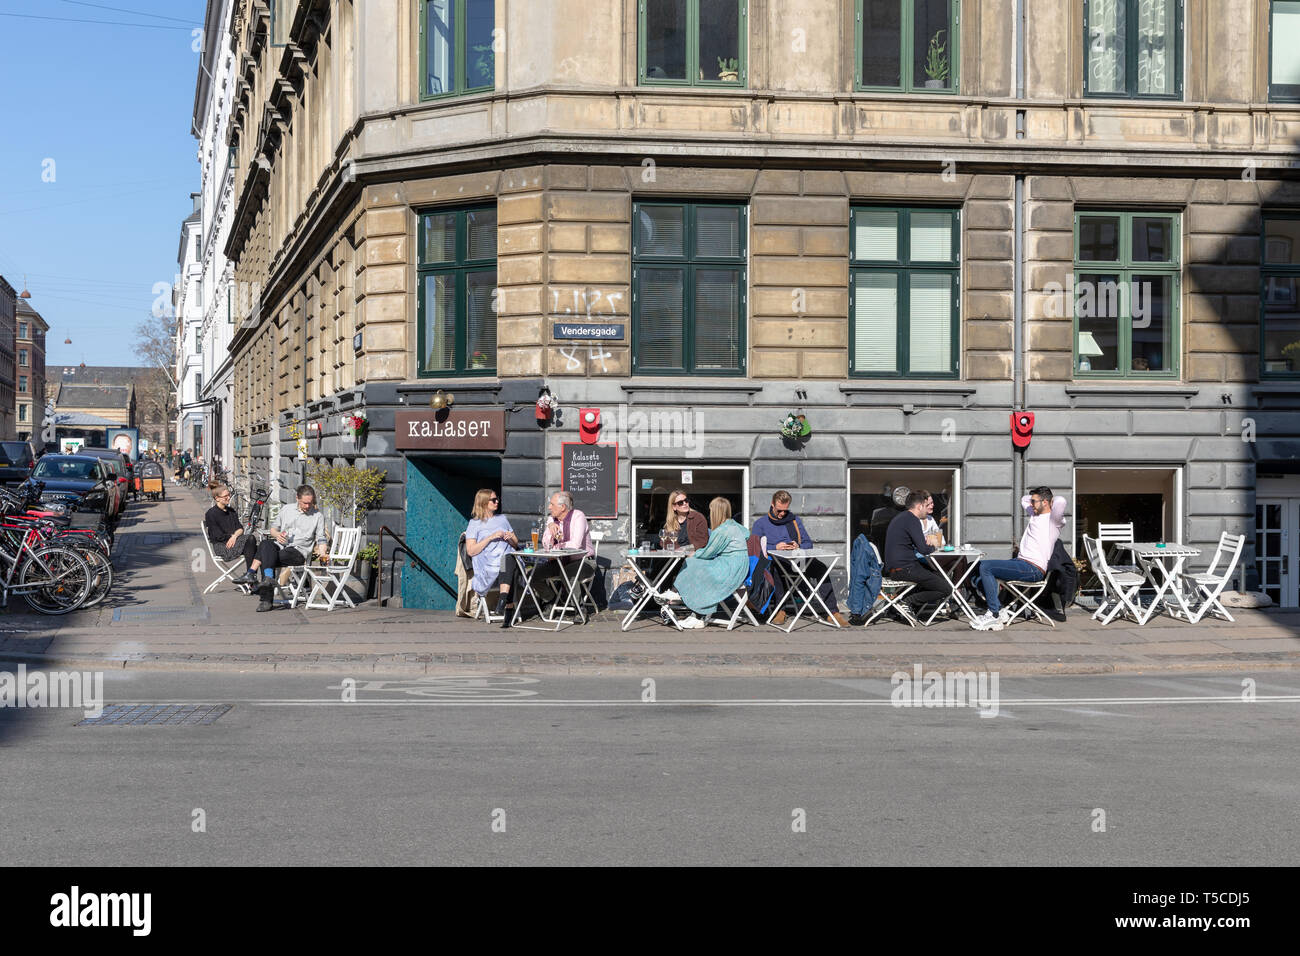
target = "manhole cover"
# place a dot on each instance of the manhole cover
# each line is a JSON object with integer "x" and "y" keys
{"x": 180, "y": 615}
{"x": 157, "y": 715}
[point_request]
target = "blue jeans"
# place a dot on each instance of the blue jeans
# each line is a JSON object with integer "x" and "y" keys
{"x": 993, "y": 571}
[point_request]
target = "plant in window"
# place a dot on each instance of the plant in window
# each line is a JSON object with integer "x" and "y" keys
{"x": 478, "y": 360}
{"x": 936, "y": 62}
{"x": 728, "y": 69}
{"x": 483, "y": 61}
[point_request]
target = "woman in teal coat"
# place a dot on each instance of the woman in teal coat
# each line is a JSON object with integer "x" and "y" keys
{"x": 713, "y": 573}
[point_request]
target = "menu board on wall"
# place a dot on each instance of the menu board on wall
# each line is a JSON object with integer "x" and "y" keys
{"x": 590, "y": 474}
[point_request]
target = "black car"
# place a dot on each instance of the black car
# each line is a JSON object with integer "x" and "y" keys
{"x": 76, "y": 483}
{"x": 121, "y": 467}
{"x": 16, "y": 461}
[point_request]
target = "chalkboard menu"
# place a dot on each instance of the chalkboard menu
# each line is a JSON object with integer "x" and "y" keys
{"x": 590, "y": 474}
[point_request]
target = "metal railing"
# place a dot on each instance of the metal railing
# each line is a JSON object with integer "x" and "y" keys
{"x": 402, "y": 548}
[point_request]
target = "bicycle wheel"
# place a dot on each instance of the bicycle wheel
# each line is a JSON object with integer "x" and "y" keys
{"x": 59, "y": 577}
{"x": 101, "y": 572}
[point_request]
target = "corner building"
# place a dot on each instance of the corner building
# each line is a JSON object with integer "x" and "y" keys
{"x": 905, "y": 219}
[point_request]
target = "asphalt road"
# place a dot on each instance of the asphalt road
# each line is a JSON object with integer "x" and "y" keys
{"x": 714, "y": 771}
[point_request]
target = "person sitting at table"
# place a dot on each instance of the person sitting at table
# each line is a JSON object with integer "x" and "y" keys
{"x": 906, "y": 548}
{"x": 488, "y": 539}
{"x": 712, "y": 574}
{"x": 1046, "y": 516}
{"x": 685, "y": 525}
{"x": 785, "y": 531}
{"x": 226, "y": 532}
{"x": 567, "y": 530}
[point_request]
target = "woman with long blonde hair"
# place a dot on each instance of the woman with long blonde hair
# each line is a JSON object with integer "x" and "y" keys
{"x": 488, "y": 539}
{"x": 713, "y": 573}
{"x": 685, "y": 525}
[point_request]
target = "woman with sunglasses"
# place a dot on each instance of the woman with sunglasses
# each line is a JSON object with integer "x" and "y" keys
{"x": 488, "y": 539}
{"x": 685, "y": 525}
{"x": 226, "y": 532}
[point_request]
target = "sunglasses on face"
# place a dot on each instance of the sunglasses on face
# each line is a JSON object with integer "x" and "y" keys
{"x": 494, "y": 500}
{"x": 679, "y": 502}
{"x": 780, "y": 511}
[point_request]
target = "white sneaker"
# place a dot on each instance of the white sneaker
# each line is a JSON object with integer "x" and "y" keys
{"x": 668, "y": 597}
{"x": 984, "y": 622}
{"x": 691, "y": 622}
{"x": 1005, "y": 616}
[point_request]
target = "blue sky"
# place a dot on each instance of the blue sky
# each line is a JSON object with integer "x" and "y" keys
{"x": 111, "y": 106}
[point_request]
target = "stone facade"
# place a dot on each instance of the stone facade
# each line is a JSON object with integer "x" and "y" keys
{"x": 336, "y": 154}
{"x": 29, "y": 389}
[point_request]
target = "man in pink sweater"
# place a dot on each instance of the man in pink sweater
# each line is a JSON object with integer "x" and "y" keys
{"x": 1046, "y": 517}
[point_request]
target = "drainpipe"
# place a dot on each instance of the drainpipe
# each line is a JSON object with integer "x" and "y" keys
{"x": 1018, "y": 268}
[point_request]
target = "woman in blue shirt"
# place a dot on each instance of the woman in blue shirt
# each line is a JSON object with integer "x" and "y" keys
{"x": 488, "y": 539}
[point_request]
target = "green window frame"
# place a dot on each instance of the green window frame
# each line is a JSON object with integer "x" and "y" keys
{"x": 872, "y": 65}
{"x": 892, "y": 276}
{"x": 466, "y": 52}
{"x": 456, "y": 269}
{"x": 1279, "y": 294}
{"x": 699, "y": 50}
{"x": 1121, "y": 284}
{"x": 1127, "y": 16}
{"x": 670, "y": 279}
{"x": 1284, "y": 87}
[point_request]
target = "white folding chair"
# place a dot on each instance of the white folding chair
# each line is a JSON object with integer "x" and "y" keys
{"x": 1117, "y": 534}
{"x": 482, "y": 608}
{"x": 1026, "y": 598}
{"x": 891, "y": 594}
{"x": 1210, "y": 584}
{"x": 588, "y": 579}
{"x": 741, "y": 597}
{"x": 220, "y": 564}
{"x": 328, "y": 579}
{"x": 1119, "y": 589}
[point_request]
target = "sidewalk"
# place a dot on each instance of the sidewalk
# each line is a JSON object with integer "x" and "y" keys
{"x": 157, "y": 616}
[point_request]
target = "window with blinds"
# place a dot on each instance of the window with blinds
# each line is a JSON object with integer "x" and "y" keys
{"x": 903, "y": 292}
{"x": 456, "y": 292}
{"x": 688, "y": 288}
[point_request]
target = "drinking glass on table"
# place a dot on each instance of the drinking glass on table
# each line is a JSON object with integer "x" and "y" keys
{"x": 534, "y": 539}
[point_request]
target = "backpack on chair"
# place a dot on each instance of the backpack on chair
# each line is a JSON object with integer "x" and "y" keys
{"x": 761, "y": 584}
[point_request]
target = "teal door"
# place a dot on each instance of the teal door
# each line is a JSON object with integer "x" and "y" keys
{"x": 439, "y": 497}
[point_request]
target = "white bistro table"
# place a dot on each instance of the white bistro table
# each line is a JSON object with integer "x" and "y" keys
{"x": 635, "y": 558}
{"x": 1162, "y": 563}
{"x": 570, "y": 573}
{"x": 973, "y": 558}
{"x": 791, "y": 565}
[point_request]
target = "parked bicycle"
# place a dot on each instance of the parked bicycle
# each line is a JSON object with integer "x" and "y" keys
{"x": 52, "y": 578}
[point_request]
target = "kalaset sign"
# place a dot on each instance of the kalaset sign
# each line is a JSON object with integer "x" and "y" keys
{"x": 451, "y": 430}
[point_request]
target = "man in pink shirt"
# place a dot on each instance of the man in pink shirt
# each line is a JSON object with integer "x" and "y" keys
{"x": 568, "y": 526}
{"x": 1046, "y": 517}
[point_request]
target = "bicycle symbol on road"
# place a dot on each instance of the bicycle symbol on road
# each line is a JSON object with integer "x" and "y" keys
{"x": 448, "y": 688}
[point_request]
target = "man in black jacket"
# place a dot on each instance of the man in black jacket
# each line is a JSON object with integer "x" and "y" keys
{"x": 904, "y": 540}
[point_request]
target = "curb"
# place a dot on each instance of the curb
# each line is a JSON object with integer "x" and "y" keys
{"x": 631, "y": 668}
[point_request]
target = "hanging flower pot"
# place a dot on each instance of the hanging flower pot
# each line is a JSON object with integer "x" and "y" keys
{"x": 356, "y": 426}
{"x": 795, "y": 425}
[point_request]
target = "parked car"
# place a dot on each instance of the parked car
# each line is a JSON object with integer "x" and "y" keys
{"x": 17, "y": 458}
{"x": 122, "y": 470}
{"x": 77, "y": 483}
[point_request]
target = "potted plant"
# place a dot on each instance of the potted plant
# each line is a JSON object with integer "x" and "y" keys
{"x": 728, "y": 69}
{"x": 936, "y": 63}
{"x": 356, "y": 427}
{"x": 367, "y": 559}
{"x": 478, "y": 360}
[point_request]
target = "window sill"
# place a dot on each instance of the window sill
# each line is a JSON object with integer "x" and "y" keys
{"x": 1134, "y": 387}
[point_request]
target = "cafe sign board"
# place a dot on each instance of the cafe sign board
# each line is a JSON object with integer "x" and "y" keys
{"x": 451, "y": 430}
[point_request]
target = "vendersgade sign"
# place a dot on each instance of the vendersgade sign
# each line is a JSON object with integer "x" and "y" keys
{"x": 452, "y": 430}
